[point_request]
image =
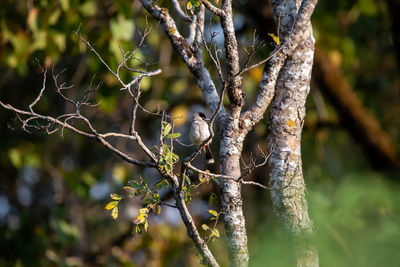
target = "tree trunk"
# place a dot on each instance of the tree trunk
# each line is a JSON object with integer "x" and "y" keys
{"x": 232, "y": 205}
{"x": 284, "y": 136}
{"x": 361, "y": 124}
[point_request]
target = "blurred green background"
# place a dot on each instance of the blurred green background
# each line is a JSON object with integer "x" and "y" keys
{"x": 54, "y": 188}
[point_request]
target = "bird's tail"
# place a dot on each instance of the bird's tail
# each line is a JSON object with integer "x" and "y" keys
{"x": 209, "y": 155}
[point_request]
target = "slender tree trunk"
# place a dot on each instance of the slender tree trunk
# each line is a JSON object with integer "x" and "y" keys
{"x": 286, "y": 119}
{"x": 232, "y": 205}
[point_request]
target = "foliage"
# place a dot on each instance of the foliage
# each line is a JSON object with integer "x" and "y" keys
{"x": 51, "y": 186}
{"x": 356, "y": 220}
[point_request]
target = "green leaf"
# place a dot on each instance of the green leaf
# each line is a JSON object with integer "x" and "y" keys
{"x": 53, "y": 18}
{"x": 122, "y": 29}
{"x": 212, "y": 200}
{"x": 214, "y": 232}
{"x": 167, "y": 129}
{"x": 88, "y": 8}
{"x": 134, "y": 184}
{"x": 205, "y": 227}
{"x": 58, "y": 38}
{"x": 213, "y": 212}
{"x": 137, "y": 229}
{"x": 173, "y": 135}
{"x": 111, "y": 205}
{"x": 162, "y": 184}
{"x": 166, "y": 149}
{"x": 195, "y": 3}
{"x": 15, "y": 157}
{"x": 114, "y": 213}
{"x": 174, "y": 157}
{"x": 64, "y": 4}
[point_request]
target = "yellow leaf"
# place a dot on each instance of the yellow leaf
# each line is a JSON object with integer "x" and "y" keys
{"x": 205, "y": 227}
{"x": 201, "y": 177}
{"x": 114, "y": 213}
{"x": 276, "y": 38}
{"x": 213, "y": 212}
{"x": 115, "y": 197}
{"x": 189, "y": 6}
{"x": 143, "y": 211}
{"x": 158, "y": 209}
{"x": 111, "y": 205}
{"x": 140, "y": 219}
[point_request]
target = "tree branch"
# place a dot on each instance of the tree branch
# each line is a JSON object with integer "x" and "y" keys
{"x": 218, "y": 12}
{"x": 180, "y": 12}
{"x": 181, "y": 46}
{"x": 99, "y": 137}
{"x": 235, "y": 91}
{"x": 272, "y": 68}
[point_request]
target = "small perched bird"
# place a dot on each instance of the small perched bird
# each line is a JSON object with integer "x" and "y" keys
{"x": 199, "y": 132}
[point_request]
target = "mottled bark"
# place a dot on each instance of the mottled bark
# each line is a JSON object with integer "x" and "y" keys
{"x": 232, "y": 205}
{"x": 360, "y": 123}
{"x": 285, "y": 79}
{"x": 235, "y": 90}
{"x": 194, "y": 63}
{"x": 234, "y": 125}
{"x": 286, "y": 119}
{"x": 231, "y": 147}
{"x": 266, "y": 87}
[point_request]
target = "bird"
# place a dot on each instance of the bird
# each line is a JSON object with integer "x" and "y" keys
{"x": 199, "y": 132}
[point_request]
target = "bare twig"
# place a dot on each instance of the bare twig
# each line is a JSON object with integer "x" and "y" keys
{"x": 256, "y": 184}
{"x": 245, "y": 68}
{"x": 195, "y": 65}
{"x": 98, "y": 137}
{"x": 41, "y": 91}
